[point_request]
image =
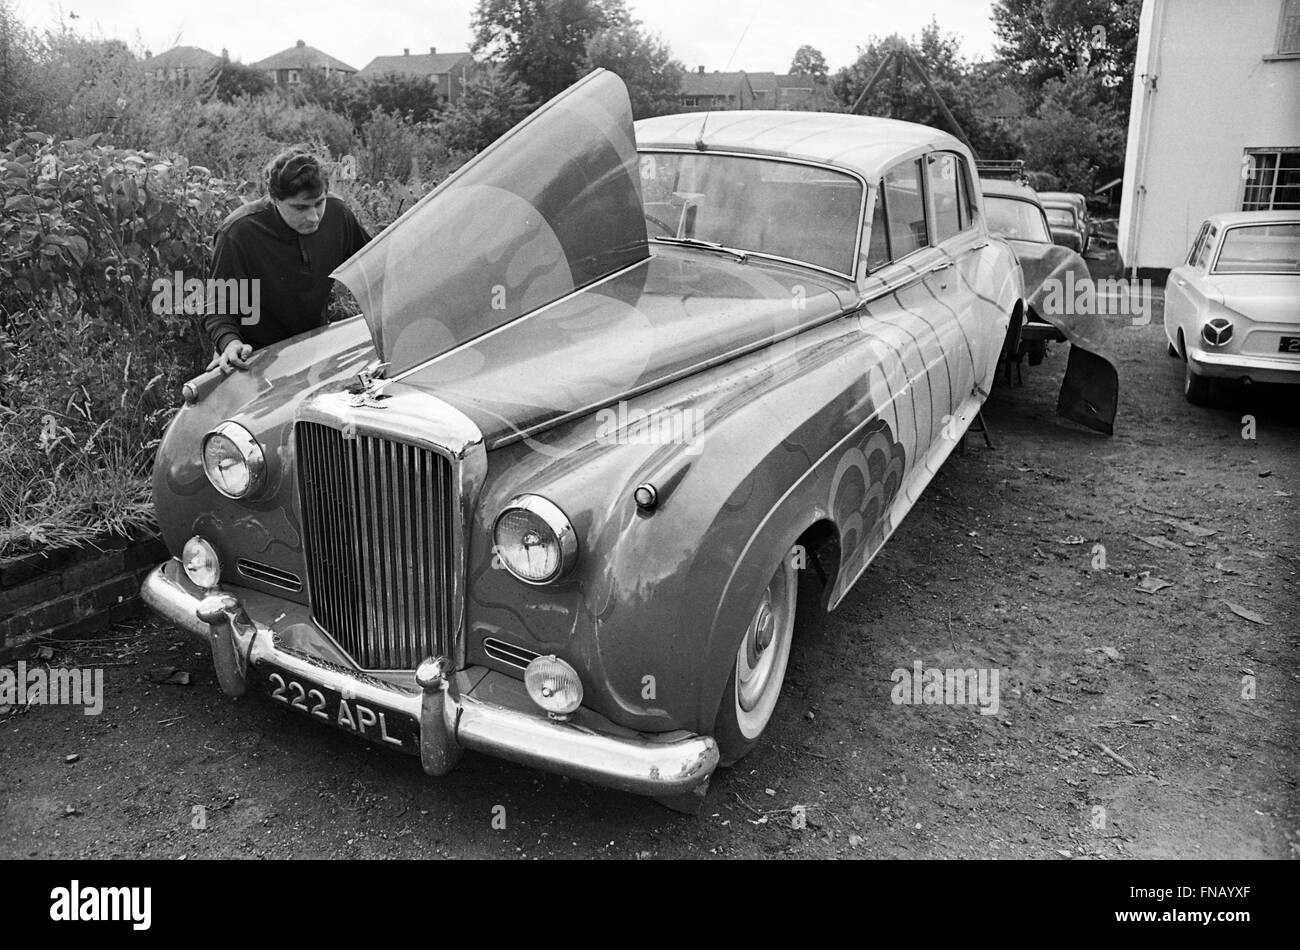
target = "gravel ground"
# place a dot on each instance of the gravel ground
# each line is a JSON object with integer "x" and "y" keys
{"x": 1122, "y": 729}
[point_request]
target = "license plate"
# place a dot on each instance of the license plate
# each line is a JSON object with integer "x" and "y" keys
{"x": 387, "y": 727}
{"x": 1289, "y": 344}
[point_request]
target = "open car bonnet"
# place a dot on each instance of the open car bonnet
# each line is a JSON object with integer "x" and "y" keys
{"x": 548, "y": 208}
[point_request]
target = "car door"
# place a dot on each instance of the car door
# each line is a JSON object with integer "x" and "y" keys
{"x": 920, "y": 360}
{"x": 1185, "y": 290}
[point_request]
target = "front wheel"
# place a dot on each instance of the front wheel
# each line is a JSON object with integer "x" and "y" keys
{"x": 759, "y": 671}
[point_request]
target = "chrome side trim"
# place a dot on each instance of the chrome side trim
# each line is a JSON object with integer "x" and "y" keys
{"x": 508, "y": 653}
{"x": 271, "y": 576}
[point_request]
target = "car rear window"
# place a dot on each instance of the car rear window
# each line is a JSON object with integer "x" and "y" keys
{"x": 1061, "y": 217}
{"x": 1019, "y": 220}
{"x": 1260, "y": 249}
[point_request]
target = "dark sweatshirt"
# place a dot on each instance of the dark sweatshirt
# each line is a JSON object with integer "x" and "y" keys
{"x": 293, "y": 270}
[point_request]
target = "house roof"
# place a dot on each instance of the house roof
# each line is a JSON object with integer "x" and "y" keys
{"x": 302, "y": 56}
{"x": 182, "y": 57}
{"x": 421, "y": 64}
{"x": 864, "y": 144}
{"x": 712, "y": 84}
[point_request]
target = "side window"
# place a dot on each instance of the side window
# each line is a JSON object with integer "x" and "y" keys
{"x": 965, "y": 199}
{"x": 878, "y": 248}
{"x": 905, "y": 202}
{"x": 1207, "y": 246}
{"x": 1195, "y": 252}
{"x": 945, "y": 201}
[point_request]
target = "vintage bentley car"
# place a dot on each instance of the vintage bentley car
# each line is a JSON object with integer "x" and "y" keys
{"x": 1090, "y": 390}
{"x": 1231, "y": 310}
{"x": 618, "y": 399}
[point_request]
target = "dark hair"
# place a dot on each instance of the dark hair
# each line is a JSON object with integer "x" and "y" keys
{"x": 294, "y": 171}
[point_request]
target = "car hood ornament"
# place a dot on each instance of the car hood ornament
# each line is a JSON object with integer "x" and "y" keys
{"x": 368, "y": 387}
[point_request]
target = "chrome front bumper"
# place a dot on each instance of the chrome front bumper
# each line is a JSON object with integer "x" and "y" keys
{"x": 1260, "y": 369}
{"x": 451, "y": 717}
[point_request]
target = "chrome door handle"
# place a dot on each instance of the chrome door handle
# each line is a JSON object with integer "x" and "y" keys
{"x": 942, "y": 265}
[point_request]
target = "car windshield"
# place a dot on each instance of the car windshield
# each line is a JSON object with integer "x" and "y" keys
{"x": 780, "y": 209}
{"x": 1260, "y": 249}
{"x": 1061, "y": 217}
{"x": 1019, "y": 220}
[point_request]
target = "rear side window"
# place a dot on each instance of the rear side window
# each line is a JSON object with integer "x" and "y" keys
{"x": 1195, "y": 252}
{"x": 1207, "y": 244}
{"x": 945, "y": 199}
{"x": 905, "y": 205}
{"x": 878, "y": 249}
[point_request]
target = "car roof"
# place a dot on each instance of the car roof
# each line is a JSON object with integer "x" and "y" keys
{"x": 1232, "y": 218}
{"x": 863, "y": 144}
{"x": 1072, "y": 196}
{"x": 1008, "y": 189}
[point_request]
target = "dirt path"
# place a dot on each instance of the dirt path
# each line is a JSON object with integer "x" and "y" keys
{"x": 994, "y": 568}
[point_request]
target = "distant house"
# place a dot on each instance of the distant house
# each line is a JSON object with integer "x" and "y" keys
{"x": 746, "y": 90}
{"x": 715, "y": 90}
{"x": 286, "y": 67}
{"x": 180, "y": 64}
{"x": 1213, "y": 124}
{"x": 448, "y": 71}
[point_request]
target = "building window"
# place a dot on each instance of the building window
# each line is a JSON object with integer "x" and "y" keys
{"x": 690, "y": 101}
{"x": 293, "y": 76}
{"x": 1272, "y": 179}
{"x": 1288, "y": 30}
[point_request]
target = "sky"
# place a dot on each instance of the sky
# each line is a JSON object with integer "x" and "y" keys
{"x": 755, "y": 35}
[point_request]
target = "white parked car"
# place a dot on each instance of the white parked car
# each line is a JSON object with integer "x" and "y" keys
{"x": 1232, "y": 311}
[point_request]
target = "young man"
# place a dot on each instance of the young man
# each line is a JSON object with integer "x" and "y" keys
{"x": 289, "y": 241}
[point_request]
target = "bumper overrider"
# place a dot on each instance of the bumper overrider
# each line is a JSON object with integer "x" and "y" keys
{"x": 437, "y": 716}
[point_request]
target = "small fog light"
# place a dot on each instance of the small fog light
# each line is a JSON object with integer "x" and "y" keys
{"x": 646, "y": 496}
{"x": 202, "y": 566}
{"x": 553, "y": 685}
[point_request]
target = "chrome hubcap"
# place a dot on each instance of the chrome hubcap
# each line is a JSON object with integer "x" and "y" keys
{"x": 761, "y": 659}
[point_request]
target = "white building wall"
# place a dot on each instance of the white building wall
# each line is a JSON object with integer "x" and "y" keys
{"x": 1208, "y": 95}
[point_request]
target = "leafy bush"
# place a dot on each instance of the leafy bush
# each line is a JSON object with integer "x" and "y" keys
{"x": 88, "y": 372}
{"x": 92, "y": 226}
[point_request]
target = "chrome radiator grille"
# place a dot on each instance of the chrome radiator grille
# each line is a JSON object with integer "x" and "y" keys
{"x": 378, "y": 522}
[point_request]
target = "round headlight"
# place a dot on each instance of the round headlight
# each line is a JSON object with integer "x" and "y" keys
{"x": 202, "y": 566}
{"x": 233, "y": 460}
{"x": 553, "y": 685}
{"x": 534, "y": 540}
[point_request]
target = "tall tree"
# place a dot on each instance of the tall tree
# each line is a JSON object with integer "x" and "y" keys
{"x": 809, "y": 61}
{"x": 1077, "y": 135}
{"x": 493, "y": 102}
{"x": 233, "y": 80}
{"x": 908, "y": 99}
{"x": 1050, "y": 39}
{"x": 643, "y": 62}
{"x": 542, "y": 43}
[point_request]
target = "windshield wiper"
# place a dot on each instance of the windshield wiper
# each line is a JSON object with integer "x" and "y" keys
{"x": 737, "y": 253}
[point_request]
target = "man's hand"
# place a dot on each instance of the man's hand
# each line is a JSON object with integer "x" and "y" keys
{"x": 234, "y": 356}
